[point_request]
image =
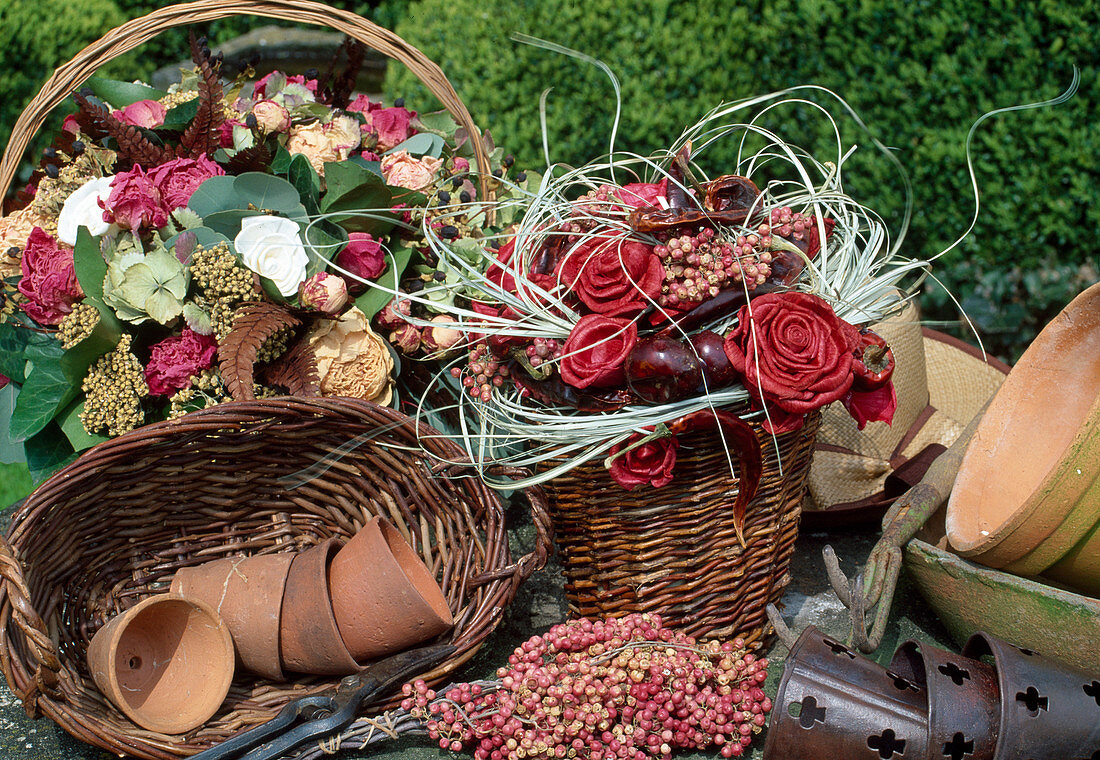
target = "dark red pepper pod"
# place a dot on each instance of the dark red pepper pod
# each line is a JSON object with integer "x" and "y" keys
{"x": 873, "y": 364}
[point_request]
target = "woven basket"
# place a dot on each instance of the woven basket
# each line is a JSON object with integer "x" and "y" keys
{"x": 674, "y": 550}
{"x": 113, "y": 527}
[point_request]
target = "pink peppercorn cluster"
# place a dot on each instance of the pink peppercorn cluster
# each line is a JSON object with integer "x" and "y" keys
{"x": 624, "y": 688}
{"x": 698, "y": 266}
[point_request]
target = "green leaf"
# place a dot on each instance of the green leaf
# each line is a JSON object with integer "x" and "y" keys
{"x": 11, "y": 451}
{"x": 226, "y": 224}
{"x": 325, "y": 240}
{"x": 139, "y": 283}
{"x": 423, "y": 144}
{"x": 374, "y": 300}
{"x": 204, "y": 236}
{"x": 79, "y": 438}
{"x": 177, "y": 119}
{"x": 213, "y": 195}
{"x": 48, "y": 452}
{"x": 438, "y": 122}
{"x": 271, "y": 290}
{"x": 121, "y": 94}
{"x": 50, "y": 385}
{"x": 89, "y": 264}
{"x": 362, "y": 193}
{"x": 306, "y": 182}
{"x": 163, "y": 306}
{"x": 197, "y": 319}
{"x": 265, "y": 191}
{"x": 14, "y": 342}
{"x": 281, "y": 163}
{"x": 371, "y": 166}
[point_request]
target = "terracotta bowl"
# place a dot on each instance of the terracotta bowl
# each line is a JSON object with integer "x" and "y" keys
{"x": 308, "y": 637}
{"x": 166, "y": 663}
{"x": 385, "y": 599}
{"x": 1028, "y": 490}
{"x": 248, "y": 594}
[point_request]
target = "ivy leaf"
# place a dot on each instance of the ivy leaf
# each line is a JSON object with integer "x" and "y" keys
{"x": 306, "y": 182}
{"x": 79, "y": 438}
{"x": 281, "y": 163}
{"x": 11, "y": 451}
{"x": 177, "y": 119}
{"x": 48, "y": 452}
{"x": 49, "y": 386}
{"x": 325, "y": 240}
{"x": 14, "y": 341}
{"x": 374, "y": 300}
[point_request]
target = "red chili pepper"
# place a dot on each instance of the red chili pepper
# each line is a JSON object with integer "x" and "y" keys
{"x": 742, "y": 442}
{"x": 874, "y": 362}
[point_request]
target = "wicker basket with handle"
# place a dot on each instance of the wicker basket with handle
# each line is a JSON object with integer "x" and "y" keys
{"x": 242, "y": 478}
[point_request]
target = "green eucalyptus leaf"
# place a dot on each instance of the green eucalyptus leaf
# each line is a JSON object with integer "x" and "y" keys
{"x": 374, "y": 300}
{"x": 47, "y": 452}
{"x": 438, "y": 122}
{"x": 226, "y": 224}
{"x": 213, "y": 195}
{"x": 265, "y": 191}
{"x": 121, "y": 94}
{"x": 422, "y": 144}
{"x": 79, "y": 438}
{"x": 11, "y": 451}
{"x": 306, "y": 182}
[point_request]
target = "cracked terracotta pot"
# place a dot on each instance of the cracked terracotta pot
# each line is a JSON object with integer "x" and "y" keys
{"x": 1027, "y": 497}
{"x": 248, "y": 594}
{"x": 166, "y": 662}
{"x": 309, "y": 640}
{"x": 384, "y": 597}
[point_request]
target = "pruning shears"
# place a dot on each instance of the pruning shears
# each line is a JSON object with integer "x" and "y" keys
{"x": 321, "y": 715}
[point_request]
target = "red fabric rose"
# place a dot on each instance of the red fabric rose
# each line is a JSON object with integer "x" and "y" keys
{"x": 49, "y": 279}
{"x": 179, "y": 178}
{"x": 878, "y": 405}
{"x": 174, "y": 360}
{"x": 651, "y": 463}
{"x": 596, "y": 349}
{"x": 501, "y": 274}
{"x": 793, "y": 351}
{"x": 135, "y": 202}
{"x": 363, "y": 256}
{"x": 613, "y": 276}
{"x": 642, "y": 194}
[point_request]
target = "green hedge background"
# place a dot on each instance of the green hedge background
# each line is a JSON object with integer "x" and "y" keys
{"x": 919, "y": 73}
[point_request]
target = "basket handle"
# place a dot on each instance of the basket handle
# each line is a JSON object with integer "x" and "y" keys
{"x": 15, "y": 602}
{"x": 130, "y": 35}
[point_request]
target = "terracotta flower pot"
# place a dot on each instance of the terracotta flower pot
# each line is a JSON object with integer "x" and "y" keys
{"x": 166, "y": 663}
{"x": 1028, "y": 490}
{"x": 248, "y": 594}
{"x": 308, "y": 637}
{"x": 384, "y": 597}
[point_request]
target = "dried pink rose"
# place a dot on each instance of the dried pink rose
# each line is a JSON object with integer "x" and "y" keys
{"x": 402, "y": 170}
{"x": 324, "y": 292}
{"x": 49, "y": 279}
{"x": 391, "y": 125}
{"x": 271, "y": 117}
{"x": 259, "y": 90}
{"x": 405, "y": 338}
{"x": 179, "y": 178}
{"x": 135, "y": 202}
{"x": 143, "y": 113}
{"x": 363, "y": 256}
{"x": 176, "y": 359}
{"x": 441, "y": 335}
{"x": 364, "y": 105}
{"x": 392, "y": 316}
{"x": 225, "y": 132}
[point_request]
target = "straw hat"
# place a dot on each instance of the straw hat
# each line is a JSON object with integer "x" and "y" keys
{"x": 941, "y": 383}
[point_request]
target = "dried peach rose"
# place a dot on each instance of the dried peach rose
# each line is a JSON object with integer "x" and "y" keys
{"x": 352, "y": 360}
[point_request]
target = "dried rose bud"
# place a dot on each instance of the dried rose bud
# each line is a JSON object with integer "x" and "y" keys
{"x": 405, "y": 338}
{"x": 393, "y": 315}
{"x": 271, "y": 117}
{"x": 324, "y": 292}
{"x": 440, "y": 337}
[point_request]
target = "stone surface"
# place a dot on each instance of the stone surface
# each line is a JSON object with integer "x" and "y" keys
{"x": 541, "y": 603}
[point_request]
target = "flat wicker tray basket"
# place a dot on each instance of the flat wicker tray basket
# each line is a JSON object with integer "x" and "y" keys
{"x": 241, "y": 478}
{"x": 674, "y": 550}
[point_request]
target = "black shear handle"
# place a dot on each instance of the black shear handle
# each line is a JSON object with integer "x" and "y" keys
{"x": 324, "y": 714}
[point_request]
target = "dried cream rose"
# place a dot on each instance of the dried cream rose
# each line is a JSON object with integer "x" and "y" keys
{"x": 352, "y": 360}
{"x": 344, "y": 134}
{"x": 15, "y": 228}
{"x": 271, "y": 117}
{"x": 402, "y": 170}
{"x": 325, "y": 142}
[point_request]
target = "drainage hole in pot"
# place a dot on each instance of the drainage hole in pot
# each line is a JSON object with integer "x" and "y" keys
{"x": 958, "y": 747}
{"x": 807, "y": 711}
{"x": 955, "y": 673}
{"x": 887, "y": 744}
{"x": 1032, "y": 700}
{"x": 1093, "y": 690}
{"x": 134, "y": 662}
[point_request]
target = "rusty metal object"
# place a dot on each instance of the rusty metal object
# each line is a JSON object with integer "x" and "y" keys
{"x": 835, "y": 704}
{"x": 1049, "y": 711}
{"x": 964, "y": 703}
